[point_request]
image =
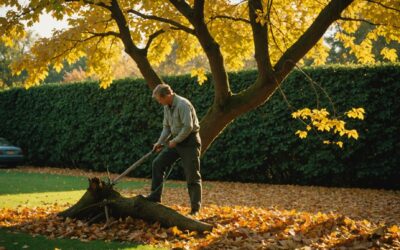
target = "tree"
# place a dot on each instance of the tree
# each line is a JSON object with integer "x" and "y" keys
{"x": 21, "y": 46}
{"x": 278, "y": 33}
{"x": 10, "y": 54}
{"x": 54, "y": 76}
{"x": 172, "y": 66}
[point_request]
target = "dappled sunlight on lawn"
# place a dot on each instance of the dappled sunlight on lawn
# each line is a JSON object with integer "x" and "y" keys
{"x": 245, "y": 216}
{"x": 13, "y": 182}
{"x": 13, "y": 240}
{"x": 40, "y": 199}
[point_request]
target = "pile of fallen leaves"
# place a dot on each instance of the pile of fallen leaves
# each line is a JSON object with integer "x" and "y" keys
{"x": 245, "y": 216}
{"x": 235, "y": 227}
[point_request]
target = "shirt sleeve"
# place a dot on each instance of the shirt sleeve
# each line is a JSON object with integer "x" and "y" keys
{"x": 166, "y": 132}
{"x": 185, "y": 114}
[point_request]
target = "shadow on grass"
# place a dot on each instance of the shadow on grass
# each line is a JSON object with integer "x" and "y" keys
{"x": 11, "y": 239}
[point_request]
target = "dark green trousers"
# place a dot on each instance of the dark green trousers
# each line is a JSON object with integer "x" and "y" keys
{"x": 189, "y": 152}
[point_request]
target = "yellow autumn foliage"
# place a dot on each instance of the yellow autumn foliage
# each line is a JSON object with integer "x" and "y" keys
{"x": 93, "y": 32}
{"x": 319, "y": 120}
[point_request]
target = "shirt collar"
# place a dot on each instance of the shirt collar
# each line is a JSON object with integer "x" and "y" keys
{"x": 174, "y": 101}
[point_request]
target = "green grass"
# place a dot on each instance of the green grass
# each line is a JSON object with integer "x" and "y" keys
{"x": 39, "y": 199}
{"x": 16, "y": 240}
{"x": 35, "y": 189}
{"x": 13, "y": 182}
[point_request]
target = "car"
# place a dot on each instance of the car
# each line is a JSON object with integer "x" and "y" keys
{"x": 10, "y": 155}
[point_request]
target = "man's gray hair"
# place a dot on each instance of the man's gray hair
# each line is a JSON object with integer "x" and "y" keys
{"x": 162, "y": 90}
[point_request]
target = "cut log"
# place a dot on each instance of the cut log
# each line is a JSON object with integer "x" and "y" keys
{"x": 100, "y": 194}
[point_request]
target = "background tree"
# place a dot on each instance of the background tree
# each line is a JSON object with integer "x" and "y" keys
{"x": 21, "y": 46}
{"x": 340, "y": 54}
{"x": 67, "y": 71}
{"x": 126, "y": 67}
{"x": 277, "y": 33}
{"x": 8, "y": 54}
{"x": 172, "y": 66}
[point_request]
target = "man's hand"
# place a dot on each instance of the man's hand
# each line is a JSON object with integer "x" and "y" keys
{"x": 171, "y": 144}
{"x": 157, "y": 147}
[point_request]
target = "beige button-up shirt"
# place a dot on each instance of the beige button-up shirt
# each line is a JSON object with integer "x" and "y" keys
{"x": 180, "y": 120}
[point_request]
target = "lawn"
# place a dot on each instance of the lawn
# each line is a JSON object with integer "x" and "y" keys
{"x": 16, "y": 240}
{"x": 20, "y": 189}
{"x": 245, "y": 215}
{"x": 38, "y": 189}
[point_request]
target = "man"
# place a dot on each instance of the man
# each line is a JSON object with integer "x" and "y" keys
{"x": 181, "y": 126}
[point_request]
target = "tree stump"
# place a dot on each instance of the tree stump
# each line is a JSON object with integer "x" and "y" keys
{"x": 101, "y": 200}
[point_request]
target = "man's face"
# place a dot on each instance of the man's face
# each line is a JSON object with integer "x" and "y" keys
{"x": 162, "y": 100}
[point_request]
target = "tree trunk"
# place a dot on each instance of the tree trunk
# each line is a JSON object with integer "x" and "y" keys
{"x": 212, "y": 124}
{"x": 219, "y": 117}
{"x": 101, "y": 196}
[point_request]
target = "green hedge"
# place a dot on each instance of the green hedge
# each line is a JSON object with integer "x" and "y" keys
{"x": 83, "y": 126}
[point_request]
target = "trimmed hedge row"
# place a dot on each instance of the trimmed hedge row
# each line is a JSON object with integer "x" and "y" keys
{"x": 83, "y": 126}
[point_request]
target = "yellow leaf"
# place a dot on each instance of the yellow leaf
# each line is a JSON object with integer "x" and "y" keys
{"x": 58, "y": 67}
{"x": 302, "y": 134}
{"x": 390, "y": 54}
{"x": 348, "y": 221}
{"x": 201, "y": 75}
{"x": 175, "y": 231}
{"x": 394, "y": 229}
{"x": 352, "y": 133}
{"x": 356, "y": 113}
{"x": 295, "y": 114}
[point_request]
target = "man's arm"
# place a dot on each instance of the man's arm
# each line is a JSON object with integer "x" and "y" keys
{"x": 166, "y": 132}
{"x": 186, "y": 115}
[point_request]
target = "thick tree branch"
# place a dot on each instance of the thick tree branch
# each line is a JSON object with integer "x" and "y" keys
{"x": 260, "y": 37}
{"x": 310, "y": 37}
{"x": 210, "y": 47}
{"x": 183, "y": 8}
{"x": 138, "y": 55}
{"x": 259, "y": 92}
{"x": 164, "y": 20}
{"x": 199, "y": 9}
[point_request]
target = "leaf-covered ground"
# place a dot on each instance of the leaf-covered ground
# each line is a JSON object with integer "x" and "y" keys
{"x": 246, "y": 216}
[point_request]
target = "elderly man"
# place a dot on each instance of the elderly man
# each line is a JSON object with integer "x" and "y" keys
{"x": 180, "y": 134}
